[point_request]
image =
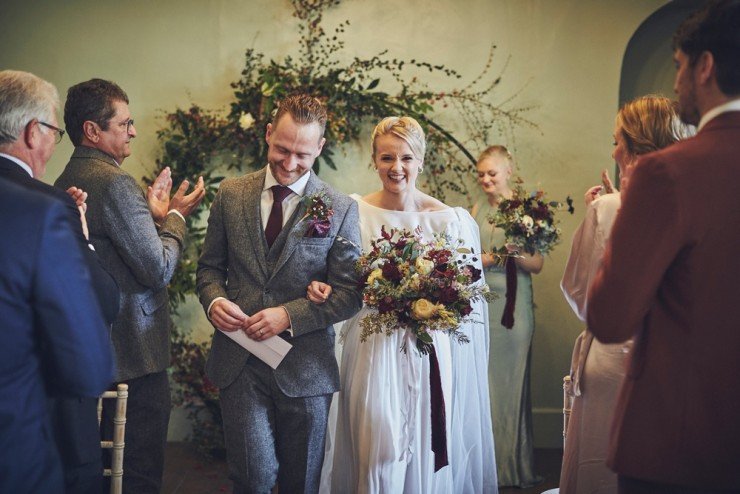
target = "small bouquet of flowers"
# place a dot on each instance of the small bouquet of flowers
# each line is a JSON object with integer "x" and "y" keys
{"x": 528, "y": 220}
{"x": 318, "y": 215}
{"x": 419, "y": 285}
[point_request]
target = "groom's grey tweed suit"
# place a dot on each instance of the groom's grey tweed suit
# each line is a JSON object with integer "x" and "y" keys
{"x": 237, "y": 264}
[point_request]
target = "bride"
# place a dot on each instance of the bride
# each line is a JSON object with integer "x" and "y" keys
{"x": 381, "y": 442}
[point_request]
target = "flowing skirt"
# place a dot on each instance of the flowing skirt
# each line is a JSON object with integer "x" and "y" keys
{"x": 382, "y": 440}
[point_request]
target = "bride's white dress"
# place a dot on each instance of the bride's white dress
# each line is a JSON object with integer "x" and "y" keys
{"x": 379, "y": 438}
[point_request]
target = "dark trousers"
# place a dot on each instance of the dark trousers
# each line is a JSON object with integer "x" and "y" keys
{"x": 75, "y": 426}
{"x": 629, "y": 485}
{"x": 147, "y": 419}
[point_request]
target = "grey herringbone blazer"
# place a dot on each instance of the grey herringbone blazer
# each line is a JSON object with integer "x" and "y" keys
{"x": 237, "y": 264}
{"x": 141, "y": 258}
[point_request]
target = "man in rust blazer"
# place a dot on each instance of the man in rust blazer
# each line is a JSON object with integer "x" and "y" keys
{"x": 671, "y": 279}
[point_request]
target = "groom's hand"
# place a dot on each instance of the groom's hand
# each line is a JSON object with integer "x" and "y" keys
{"x": 267, "y": 323}
{"x": 226, "y": 315}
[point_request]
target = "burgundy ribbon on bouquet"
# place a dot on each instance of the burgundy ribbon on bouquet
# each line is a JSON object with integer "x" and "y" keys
{"x": 507, "y": 319}
{"x": 437, "y": 399}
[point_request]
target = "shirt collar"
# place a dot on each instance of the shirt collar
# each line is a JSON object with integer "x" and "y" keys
{"x": 298, "y": 187}
{"x": 732, "y": 105}
{"x": 18, "y": 162}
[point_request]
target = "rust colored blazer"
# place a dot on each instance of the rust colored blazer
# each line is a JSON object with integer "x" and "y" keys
{"x": 671, "y": 279}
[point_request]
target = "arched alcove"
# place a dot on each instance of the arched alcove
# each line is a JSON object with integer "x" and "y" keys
{"x": 647, "y": 66}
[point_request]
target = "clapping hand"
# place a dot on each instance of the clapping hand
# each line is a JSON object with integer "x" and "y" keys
{"x": 158, "y": 195}
{"x": 606, "y": 186}
{"x": 186, "y": 204}
{"x": 607, "y": 182}
{"x": 79, "y": 196}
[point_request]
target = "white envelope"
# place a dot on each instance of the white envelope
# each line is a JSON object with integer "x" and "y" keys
{"x": 271, "y": 351}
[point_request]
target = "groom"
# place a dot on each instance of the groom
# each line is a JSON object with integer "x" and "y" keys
{"x": 259, "y": 256}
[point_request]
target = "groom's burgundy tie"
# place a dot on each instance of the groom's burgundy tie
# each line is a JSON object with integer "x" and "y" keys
{"x": 275, "y": 220}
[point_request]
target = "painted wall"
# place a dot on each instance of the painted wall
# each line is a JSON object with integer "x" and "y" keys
{"x": 562, "y": 57}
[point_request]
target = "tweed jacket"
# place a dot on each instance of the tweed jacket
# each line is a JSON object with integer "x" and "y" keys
{"x": 140, "y": 256}
{"x": 236, "y": 263}
{"x": 670, "y": 278}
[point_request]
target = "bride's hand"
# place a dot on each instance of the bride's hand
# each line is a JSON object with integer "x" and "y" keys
{"x": 318, "y": 292}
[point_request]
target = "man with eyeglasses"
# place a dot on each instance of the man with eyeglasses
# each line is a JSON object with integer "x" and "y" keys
{"x": 51, "y": 324}
{"x": 141, "y": 238}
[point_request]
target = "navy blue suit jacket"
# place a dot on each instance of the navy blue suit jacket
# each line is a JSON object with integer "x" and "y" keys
{"x": 52, "y": 331}
{"x": 104, "y": 285}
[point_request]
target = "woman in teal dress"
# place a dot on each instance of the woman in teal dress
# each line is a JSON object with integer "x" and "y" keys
{"x": 510, "y": 351}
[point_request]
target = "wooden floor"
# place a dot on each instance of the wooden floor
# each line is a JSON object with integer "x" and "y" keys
{"x": 186, "y": 473}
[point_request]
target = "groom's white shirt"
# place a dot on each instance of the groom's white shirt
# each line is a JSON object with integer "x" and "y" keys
{"x": 290, "y": 203}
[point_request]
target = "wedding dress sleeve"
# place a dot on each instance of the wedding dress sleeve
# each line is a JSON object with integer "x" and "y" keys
{"x": 586, "y": 252}
{"x": 472, "y": 430}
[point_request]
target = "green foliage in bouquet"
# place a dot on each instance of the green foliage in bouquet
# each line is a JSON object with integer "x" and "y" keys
{"x": 528, "y": 221}
{"x": 419, "y": 286}
{"x": 198, "y": 141}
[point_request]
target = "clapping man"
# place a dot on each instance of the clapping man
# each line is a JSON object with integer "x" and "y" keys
{"x": 140, "y": 239}
{"x": 670, "y": 279}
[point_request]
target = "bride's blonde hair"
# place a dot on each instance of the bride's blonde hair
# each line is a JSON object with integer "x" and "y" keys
{"x": 405, "y": 128}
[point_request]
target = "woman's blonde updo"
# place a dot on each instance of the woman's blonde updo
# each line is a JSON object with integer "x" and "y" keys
{"x": 650, "y": 123}
{"x": 405, "y": 128}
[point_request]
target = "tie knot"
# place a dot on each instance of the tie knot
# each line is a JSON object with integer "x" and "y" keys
{"x": 279, "y": 193}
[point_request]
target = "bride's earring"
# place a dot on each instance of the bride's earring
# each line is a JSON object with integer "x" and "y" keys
{"x": 421, "y": 169}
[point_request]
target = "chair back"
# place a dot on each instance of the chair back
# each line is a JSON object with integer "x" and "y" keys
{"x": 115, "y": 472}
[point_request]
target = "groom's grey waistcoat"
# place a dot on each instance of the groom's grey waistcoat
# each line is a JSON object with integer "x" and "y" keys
{"x": 236, "y": 263}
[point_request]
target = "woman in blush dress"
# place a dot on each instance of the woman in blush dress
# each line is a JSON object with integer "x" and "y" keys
{"x": 643, "y": 125}
{"x": 382, "y": 440}
{"x": 510, "y": 349}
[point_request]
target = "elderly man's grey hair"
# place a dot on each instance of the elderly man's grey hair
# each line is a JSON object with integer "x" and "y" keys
{"x": 24, "y": 97}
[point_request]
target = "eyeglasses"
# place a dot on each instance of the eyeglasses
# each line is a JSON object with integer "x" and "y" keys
{"x": 128, "y": 124}
{"x": 60, "y": 132}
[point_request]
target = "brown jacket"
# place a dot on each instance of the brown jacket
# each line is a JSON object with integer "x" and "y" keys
{"x": 671, "y": 279}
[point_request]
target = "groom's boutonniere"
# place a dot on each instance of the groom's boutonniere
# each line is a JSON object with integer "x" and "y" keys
{"x": 318, "y": 215}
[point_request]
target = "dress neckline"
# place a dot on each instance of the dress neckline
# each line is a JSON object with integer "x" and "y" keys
{"x": 362, "y": 200}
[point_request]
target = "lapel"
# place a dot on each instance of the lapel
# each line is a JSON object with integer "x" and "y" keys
{"x": 251, "y": 217}
{"x": 295, "y": 226}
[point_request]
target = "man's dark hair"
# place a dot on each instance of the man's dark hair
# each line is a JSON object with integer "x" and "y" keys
{"x": 90, "y": 100}
{"x": 715, "y": 29}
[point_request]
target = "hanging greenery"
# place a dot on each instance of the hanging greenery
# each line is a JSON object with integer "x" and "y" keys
{"x": 204, "y": 142}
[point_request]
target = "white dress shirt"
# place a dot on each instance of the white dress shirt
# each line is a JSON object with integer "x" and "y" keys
{"x": 732, "y": 105}
{"x": 290, "y": 203}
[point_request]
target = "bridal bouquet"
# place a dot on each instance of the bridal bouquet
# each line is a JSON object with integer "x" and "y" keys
{"x": 419, "y": 285}
{"x": 528, "y": 220}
